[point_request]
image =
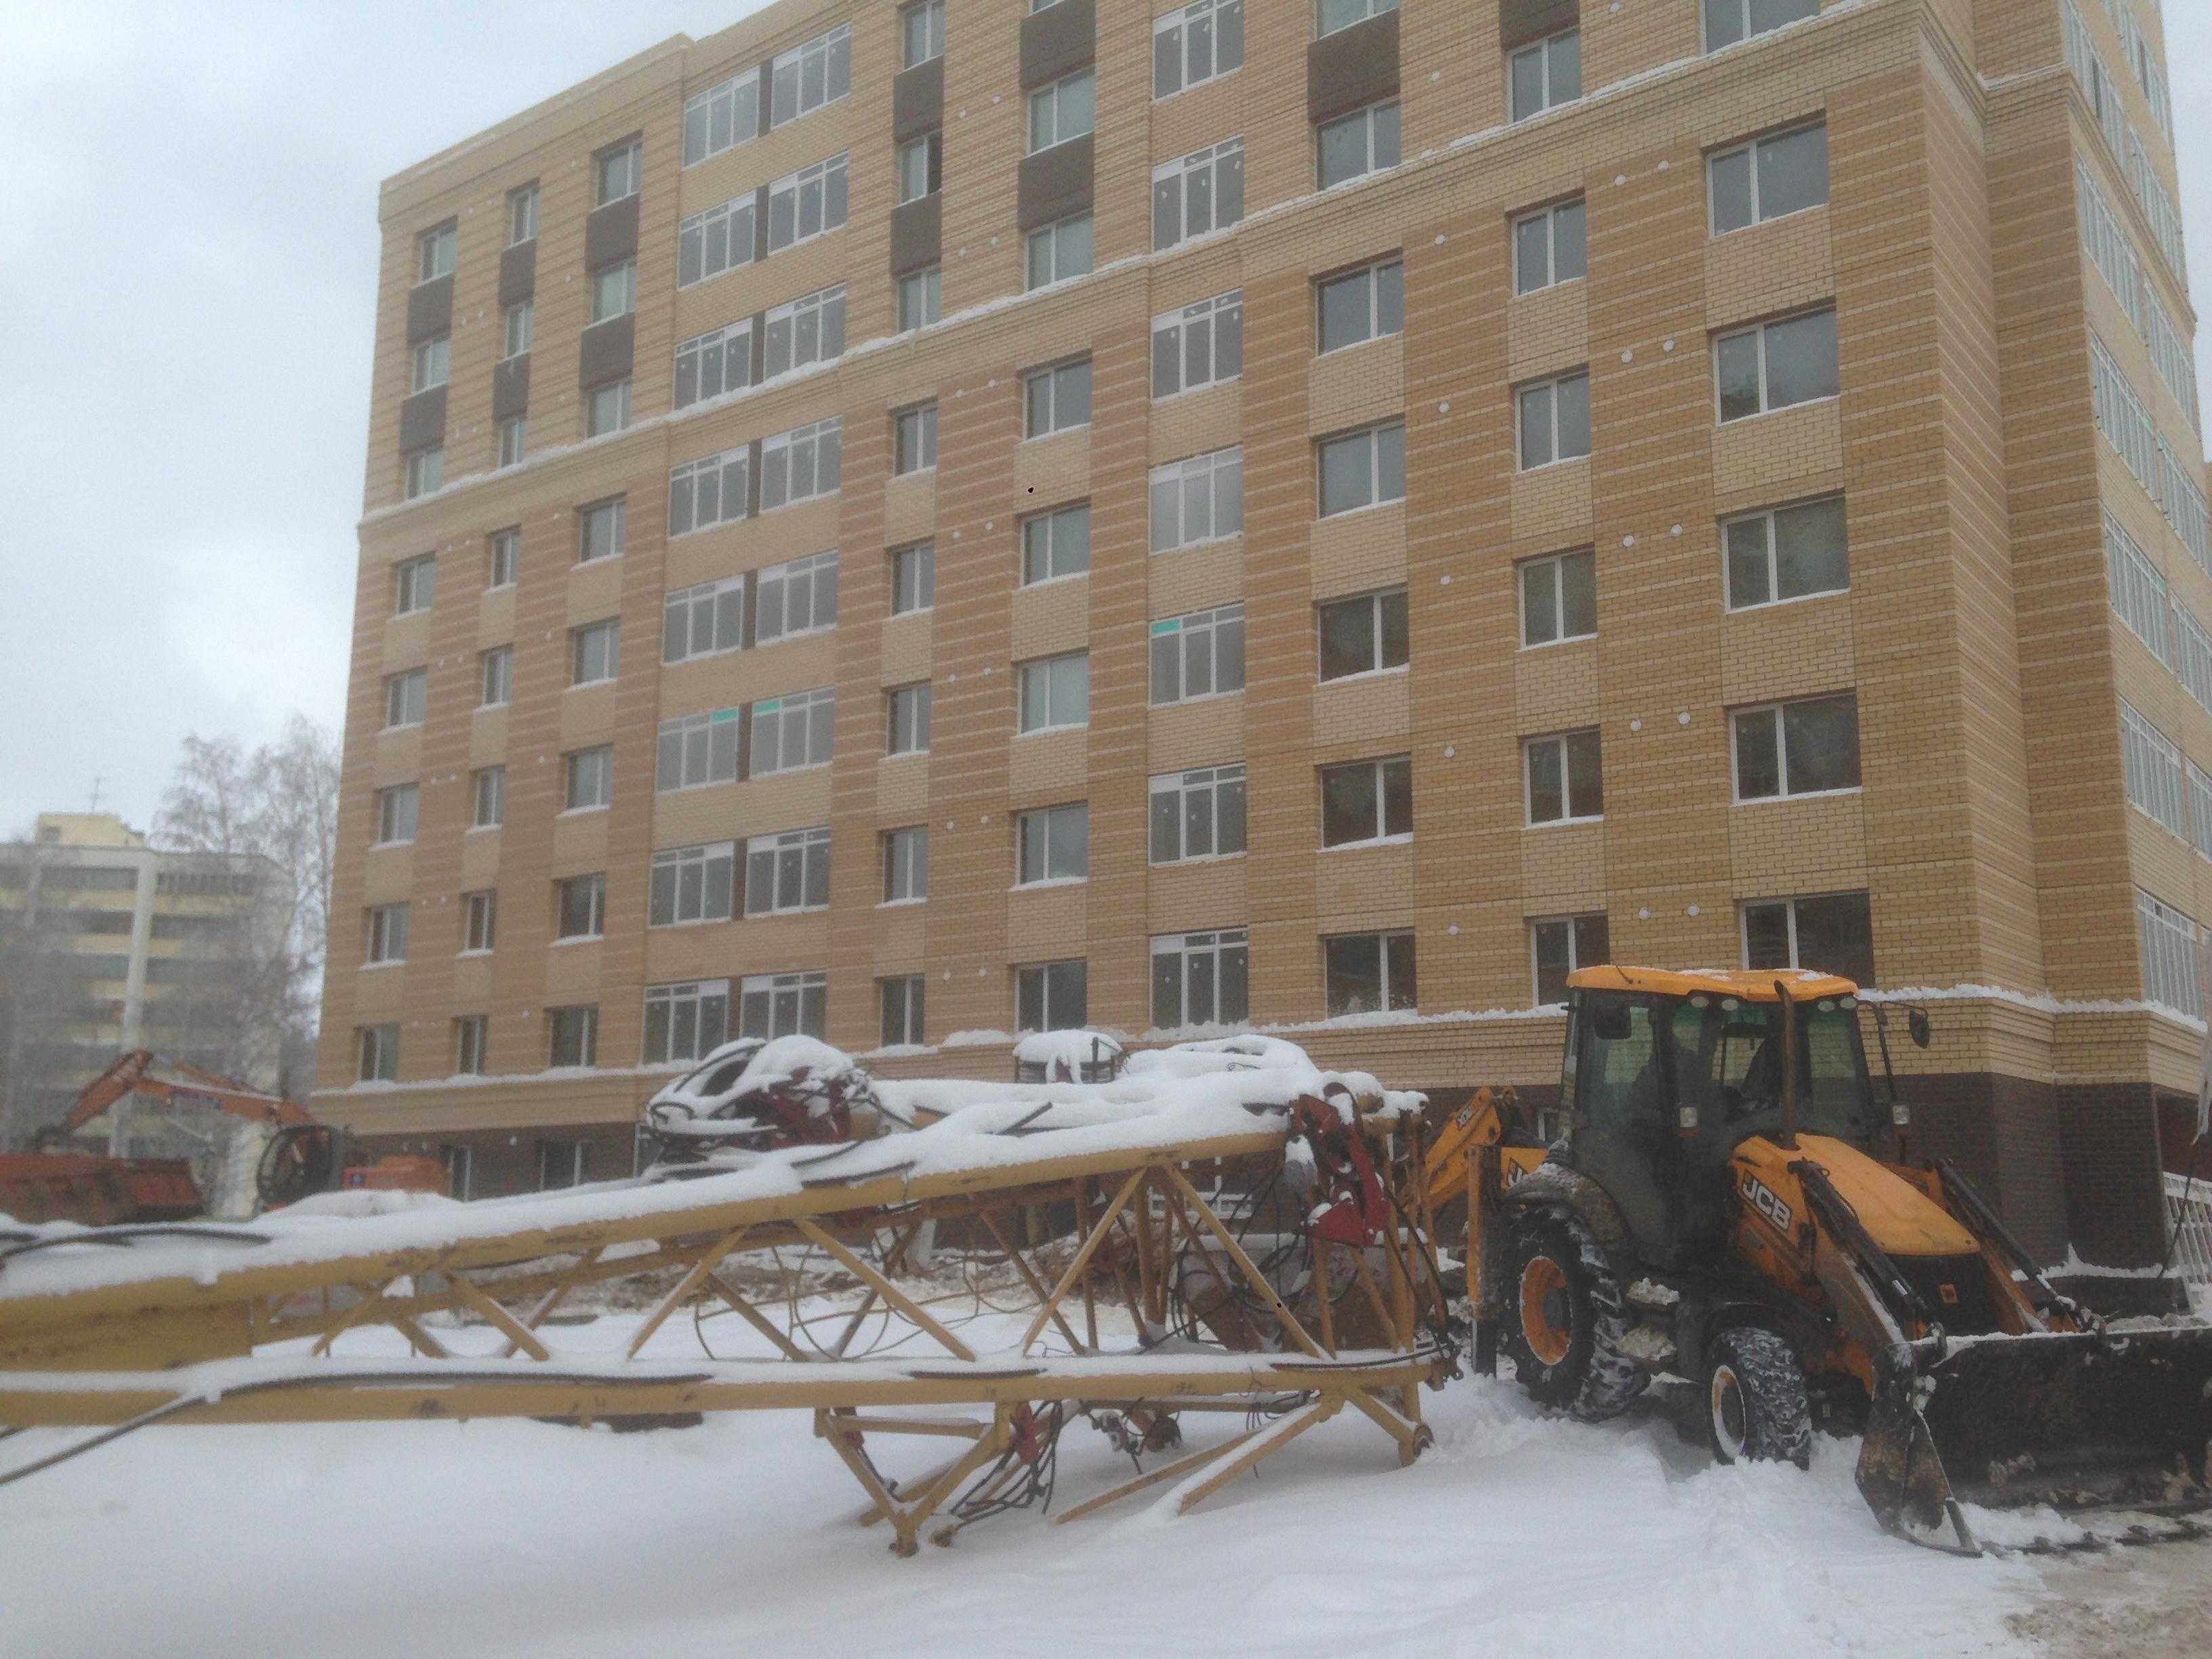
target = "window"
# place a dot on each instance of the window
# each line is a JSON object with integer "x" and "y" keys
{"x": 1335, "y": 14}
{"x": 906, "y": 720}
{"x": 1565, "y": 778}
{"x": 560, "y": 1164}
{"x": 579, "y": 905}
{"x": 1197, "y": 499}
{"x": 396, "y": 809}
{"x": 921, "y": 167}
{"x": 496, "y": 676}
{"x": 2168, "y": 940}
{"x": 2127, "y": 426}
{"x": 514, "y": 434}
{"x": 384, "y": 934}
{"x": 516, "y": 323}
{"x": 913, "y": 439}
{"x": 1369, "y": 974}
{"x": 716, "y": 240}
{"x": 921, "y": 299}
{"x": 488, "y": 790}
{"x": 702, "y": 621}
{"x": 1056, "y": 544}
{"x": 404, "y": 695}
{"x": 1200, "y": 655}
{"x": 696, "y": 750}
{"x": 433, "y": 363}
{"x": 902, "y": 1002}
{"x": 2138, "y": 592}
{"x": 602, "y": 530}
{"x": 1201, "y": 979}
{"x": 914, "y": 578}
{"x": 784, "y": 1005}
{"x": 788, "y": 872}
{"x": 617, "y": 172}
{"x": 1060, "y": 251}
{"x": 797, "y": 597}
{"x": 2155, "y": 780}
{"x": 806, "y": 204}
{"x": 1807, "y": 747}
{"x": 1199, "y": 814}
{"x": 1363, "y": 469}
{"x": 1559, "y": 598}
{"x": 379, "y": 1046}
{"x": 1366, "y": 801}
{"x": 1777, "y": 364}
{"x": 1055, "y": 692}
{"x": 721, "y": 118}
{"x": 793, "y": 731}
{"x": 1361, "y": 304}
{"x": 1051, "y": 996}
{"x": 1547, "y": 74}
{"x": 572, "y": 1036}
{"x": 472, "y": 1045}
{"x": 1199, "y": 345}
{"x": 1561, "y": 944}
{"x": 710, "y": 365}
{"x": 480, "y": 926}
{"x": 1202, "y": 191}
{"x": 708, "y": 491}
{"x": 593, "y": 653}
{"x": 691, "y": 885}
{"x": 1550, "y": 246}
{"x": 1352, "y": 146}
{"x": 921, "y": 33}
{"x": 460, "y": 1171}
{"x": 1055, "y": 399}
{"x": 614, "y": 290}
{"x": 1196, "y": 43}
{"x": 685, "y": 1022}
{"x": 1555, "y": 420}
{"x": 1788, "y": 553}
{"x": 587, "y": 778}
{"x": 502, "y": 558}
{"x": 1768, "y": 178}
{"x": 1053, "y": 844}
{"x": 434, "y": 250}
{"x": 606, "y": 408}
{"x": 1066, "y": 109}
{"x": 1831, "y": 934}
{"x": 1363, "y": 636}
{"x": 1727, "y": 21}
{"x": 804, "y": 79}
{"x": 425, "y": 472}
{"x": 803, "y": 464}
{"x": 808, "y": 330}
{"x": 906, "y": 865}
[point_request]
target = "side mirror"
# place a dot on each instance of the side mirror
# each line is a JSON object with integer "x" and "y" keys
{"x": 1916, "y": 1022}
{"x": 1609, "y": 1021}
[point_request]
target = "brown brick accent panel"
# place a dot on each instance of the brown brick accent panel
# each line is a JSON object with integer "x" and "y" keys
{"x": 2115, "y": 1201}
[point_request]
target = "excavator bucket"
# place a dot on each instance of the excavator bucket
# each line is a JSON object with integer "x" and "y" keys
{"x": 2116, "y": 1420}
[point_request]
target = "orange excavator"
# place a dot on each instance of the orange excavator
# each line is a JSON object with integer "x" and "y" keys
{"x": 55, "y": 1182}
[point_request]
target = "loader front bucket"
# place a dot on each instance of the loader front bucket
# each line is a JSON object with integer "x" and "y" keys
{"x": 2077, "y": 1420}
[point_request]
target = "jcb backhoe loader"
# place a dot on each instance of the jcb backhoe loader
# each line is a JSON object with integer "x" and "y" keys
{"x": 1719, "y": 1197}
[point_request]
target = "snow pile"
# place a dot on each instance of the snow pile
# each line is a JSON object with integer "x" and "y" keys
{"x": 1064, "y": 1055}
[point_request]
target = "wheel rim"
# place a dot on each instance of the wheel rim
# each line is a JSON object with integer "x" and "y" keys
{"x": 1725, "y": 1398}
{"x": 1546, "y": 1315}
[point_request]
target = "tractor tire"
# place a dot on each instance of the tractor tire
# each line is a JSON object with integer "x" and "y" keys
{"x": 1756, "y": 1408}
{"x": 1567, "y": 1320}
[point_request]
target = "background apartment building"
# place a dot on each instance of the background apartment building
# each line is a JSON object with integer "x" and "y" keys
{"x": 108, "y": 945}
{"x": 910, "y": 523}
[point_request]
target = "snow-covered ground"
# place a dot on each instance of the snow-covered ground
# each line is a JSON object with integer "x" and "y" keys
{"x": 1515, "y": 1536}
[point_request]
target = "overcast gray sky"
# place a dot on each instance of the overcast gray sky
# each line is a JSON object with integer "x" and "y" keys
{"x": 188, "y": 285}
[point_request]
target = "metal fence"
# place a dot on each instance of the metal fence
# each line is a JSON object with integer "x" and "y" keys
{"x": 2192, "y": 1226}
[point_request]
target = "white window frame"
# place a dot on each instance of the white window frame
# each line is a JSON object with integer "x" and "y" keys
{"x": 920, "y": 169}
{"x": 582, "y": 640}
{"x": 2168, "y": 940}
{"x": 1382, "y": 141}
{"x": 479, "y": 922}
{"x": 1381, "y": 767}
{"x": 487, "y": 797}
{"x": 593, "y": 885}
{"x": 1217, "y": 162}
{"x": 1059, "y": 833}
{"x": 1201, "y": 954}
{"x": 817, "y": 449}
{"x": 824, "y": 310}
{"x": 1545, "y": 50}
{"x": 472, "y": 1045}
{"x": 606, "y": 407}
{"x": 1743, "y": 8}
{"x": 1551, "y": 218}
{"x": 1175, "y": 489}
{"x": 1759, "y": 331}
{"x": 830, "y": 180}
{"x": 1374, "y": 601}
{"x": 1217, "y": 635}
{"x": 1043, "y": 684}
{"x": 1788, "y": 904}
{"x": 517, "y": 324}
{"x": 580, "y": 1020}
{"x": 1371, "y": 274}
{"x": 437, "y": 252}
{"x": 425, "y": 472}
{"x": 921, "y": 299}
{"x": 1375, "y": 437}
{"x": 714, "y": 612}
{"x": 406, "y": 699}
{"x": 1572, "y": 922}
{"x": 1050, "y": 104}
{"x": 617, "y": 173}
{"x": 1213, "y": 329}
{"x": 913, "y": 578}
{"x": 1212, "y": 782}
{"x": 502, "y": 559}
{"x": 378, "y": 1048}
{"x": 613, "y": 291}
{"x": 513, "y": 440}
{"x": 732, "y": 472}
{"x": 398, "y": 814}
{"x": 1382, "y": 938}
{"x": 1779, "y": 709}
{"x": 785, "y": 994}
{"x": 432, "y": 364}
{"x": 1041, "y": 974}
{"x": 907, "y": 712}
{"x": 496, "y": 677}
{"x": 1067, "y": 254}
{"x": 931, "y": 15}
{"x": 667, "y": 874}
{"x": 1555, "y": 439}
{"x": 802, "y": 855}
{"x": 666, "y": 1008}
{"x": 1771, "y": 519}
{"x": 913, "y": 439}
{"x": 587, "y": 779}
{"x": 832, "y": 52}
{"x": 722, "y": 348}
{"x": 730, "y": 226}
{"x": 723, "y": 99}
{"x": 707, "y": 744}
{"x": 1554, "y": 565}
{"x": 1040, "y": 538}
{"x": 1221, "y": 16}
{"x": 384, "y": 935}
{"x": 906, "y": 864}
{"x": 1355, "y": 12}
{"x": 818, "y": 712}
{"x": 522, "y": 213}
{"x": 1043, "y": 394}
{"x": 2156, "y": 784}
{"x": 908, "y": 994}
{"x": 810, "y": 584}
{"x": 1561, "y": 743}
{"x": 1752, "y": 149}
{"x": 613, "y": 514}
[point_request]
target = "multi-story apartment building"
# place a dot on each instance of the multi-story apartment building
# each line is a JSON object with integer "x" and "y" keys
{"x": 110, "y": 944}
{"x": 915, "y": 522}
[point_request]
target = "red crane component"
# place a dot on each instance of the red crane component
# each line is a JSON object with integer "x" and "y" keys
{"x": 1349, "y": 1207}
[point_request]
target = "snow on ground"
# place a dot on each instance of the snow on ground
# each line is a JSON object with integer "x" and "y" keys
{"x": 1515, "y": 1536}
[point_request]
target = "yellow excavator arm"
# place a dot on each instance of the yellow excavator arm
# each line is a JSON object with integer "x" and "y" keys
{"x": 1479, "y": 1122}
